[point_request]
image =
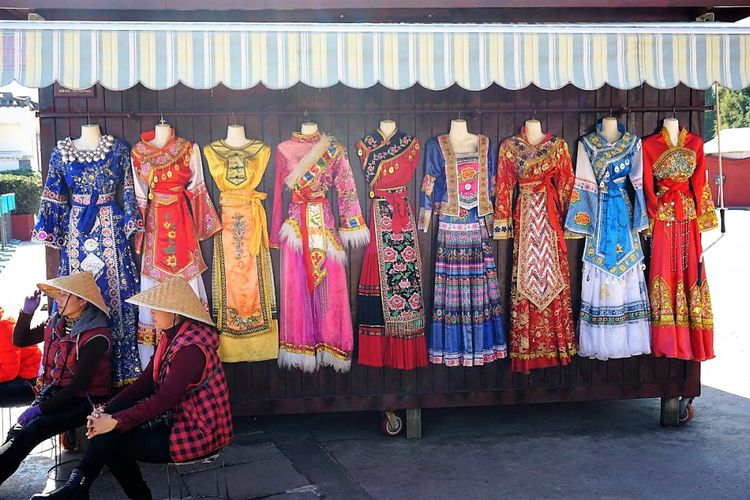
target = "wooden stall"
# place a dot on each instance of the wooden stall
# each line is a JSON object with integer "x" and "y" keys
{"x": 271, "y": 115}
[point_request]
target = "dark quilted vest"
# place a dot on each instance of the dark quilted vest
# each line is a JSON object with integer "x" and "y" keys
{"x": 202, "y": 418}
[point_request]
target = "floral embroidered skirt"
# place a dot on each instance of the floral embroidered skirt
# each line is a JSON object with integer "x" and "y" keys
{"x": 681, "y": 315}
{"x": 390, "y": 312}
{"x": 467, "y": 327}
{"x": 614, "y": 314}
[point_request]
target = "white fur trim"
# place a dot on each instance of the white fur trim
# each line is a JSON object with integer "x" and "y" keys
{"x": 325, "y": 358}
{"x": 305, "y": 362}
{"x": 307, "y": 160}
{"x": 355, "y": 238}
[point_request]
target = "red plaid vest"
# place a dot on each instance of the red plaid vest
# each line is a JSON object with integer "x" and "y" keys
{"x": 202, "y": 418}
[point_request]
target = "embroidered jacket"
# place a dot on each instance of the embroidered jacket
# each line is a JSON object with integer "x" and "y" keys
{"x": 309, "y": 166}
{"x": 600, "y": 206}
{"x": 448, "y": 190}
{"x": 175, "y": 204}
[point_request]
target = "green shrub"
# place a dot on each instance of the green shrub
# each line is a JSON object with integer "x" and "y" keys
{"x": 28, "y": 189}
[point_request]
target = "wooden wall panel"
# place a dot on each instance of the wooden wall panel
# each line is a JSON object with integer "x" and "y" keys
{"x": 349, "y": 114}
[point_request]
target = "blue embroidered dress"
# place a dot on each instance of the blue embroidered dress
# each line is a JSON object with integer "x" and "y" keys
{"x": 79, "y": 214}
{"x": 467, "y": 327}
{"x": 614, "y": 320}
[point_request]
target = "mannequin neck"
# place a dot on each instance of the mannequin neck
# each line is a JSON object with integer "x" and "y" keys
{"x": 387, "y": 128}
{"x": 533, "y": 132}
{"x": 162, "y": 134}
{"x": 236, "y": 136}
{"x": 610, "y": 130}
{"x": 308, "y": 128}
{"x": 673, "y": 129}
{"x": 90, "y": 135}
{"x": 460, "y": 138}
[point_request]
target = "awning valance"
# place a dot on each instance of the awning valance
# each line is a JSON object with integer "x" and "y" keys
{"x": 242, "y": 55}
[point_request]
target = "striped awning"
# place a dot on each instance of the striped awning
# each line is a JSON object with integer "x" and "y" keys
{"x": 242, "y": 55}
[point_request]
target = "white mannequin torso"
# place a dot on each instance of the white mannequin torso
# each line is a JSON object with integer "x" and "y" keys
{"x": 236, "y": 136}
{"x": 533, "y": 132}
{"x": 89, "y": 140}
{"x": 673, "y": 128}
{"x": 308, "y": 128}
{"x": 387, "y": 127}
{"x": 162, "y": 133}
{"x": 460, "y": 139}
{"x": 610, "y": 131}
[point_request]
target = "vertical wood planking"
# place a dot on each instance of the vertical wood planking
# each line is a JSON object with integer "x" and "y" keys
{"x": 264, "y": 381}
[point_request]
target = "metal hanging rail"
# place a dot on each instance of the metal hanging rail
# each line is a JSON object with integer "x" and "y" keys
{"x": 621, "y": 110}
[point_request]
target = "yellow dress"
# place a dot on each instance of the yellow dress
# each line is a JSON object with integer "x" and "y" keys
{"x": 244, "y": 300}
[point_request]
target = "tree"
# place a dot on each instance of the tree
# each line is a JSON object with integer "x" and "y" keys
{"x": 735, "y": 110}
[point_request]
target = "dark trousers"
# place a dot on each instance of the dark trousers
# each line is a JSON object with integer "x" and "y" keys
{"x": 21, "y": 440}
{"x": 121, "y": 452}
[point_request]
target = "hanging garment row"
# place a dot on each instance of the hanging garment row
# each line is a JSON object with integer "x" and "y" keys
{"x": 525, "y": 189}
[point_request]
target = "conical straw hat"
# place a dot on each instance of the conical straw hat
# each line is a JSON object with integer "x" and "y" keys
{"x": 174, "y": 296}
{"x": 80, "y": 284}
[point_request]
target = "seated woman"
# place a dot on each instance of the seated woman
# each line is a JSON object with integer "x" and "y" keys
{"x": 177, "y": 410}
{"x": 76, "y": 364}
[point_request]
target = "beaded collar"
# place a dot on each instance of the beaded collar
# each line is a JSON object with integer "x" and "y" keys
{"x": 70, "y": 153}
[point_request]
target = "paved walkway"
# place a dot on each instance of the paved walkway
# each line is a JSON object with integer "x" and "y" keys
{"x": 610, "y": 449}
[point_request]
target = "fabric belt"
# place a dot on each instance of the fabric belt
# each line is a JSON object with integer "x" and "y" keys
{"x": 304, "y": 199}
{"x": 90, "y": 204}
{"x": 672, "y": 195}
{"x": 617, "y": 220}
{"x": 396, "y": 197}
{"x": 258, "y": 229}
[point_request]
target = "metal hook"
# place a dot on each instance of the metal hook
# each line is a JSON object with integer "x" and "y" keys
{"x": 459, "y": 114}
{"x": 161, "y": 118}
{"x": 234, "y": 119}
{"x": 533, "y": 114}
{"x": 387, "y": 115}
{"x": 88, "y": 118}
{"x": 306, "y": 116}
{"x": 610, "y": 112}
{"x": 674, "y": 111}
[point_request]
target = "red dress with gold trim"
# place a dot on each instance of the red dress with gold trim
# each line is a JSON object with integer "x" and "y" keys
{"x": 178, "y": 213}
{"x": 542, "y": 325}
{"x": 680, "y": 207}
{"x": 390, "y": 312}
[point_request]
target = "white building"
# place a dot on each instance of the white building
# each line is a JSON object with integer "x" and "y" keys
{"x": 19, "y": 132}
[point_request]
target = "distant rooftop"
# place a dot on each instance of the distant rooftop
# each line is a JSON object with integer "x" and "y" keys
{"x": 8, "y": 100}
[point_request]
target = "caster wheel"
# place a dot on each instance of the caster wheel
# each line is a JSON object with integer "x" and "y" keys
{"x": 690, "y": 414}
{"x": 394, "y": 428}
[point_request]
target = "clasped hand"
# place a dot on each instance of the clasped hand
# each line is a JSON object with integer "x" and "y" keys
{"x": 99, "y": 422}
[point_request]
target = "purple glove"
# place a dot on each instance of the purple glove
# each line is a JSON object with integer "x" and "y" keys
{"x": 31, "y": 302}
{"x": 29, "y": 414}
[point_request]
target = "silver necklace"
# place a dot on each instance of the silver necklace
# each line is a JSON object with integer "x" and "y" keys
{"x": 69, "y": 153}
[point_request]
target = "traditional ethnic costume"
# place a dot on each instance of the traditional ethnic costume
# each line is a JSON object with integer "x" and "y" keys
{"x": 541, "y": 317}
{"x": 680, "y": 207}
{"x": 91, "y": 230}
{"x": 614, "y": 321}
{"x": 390, "y": 312}
{"x": 178, "y": 213}
{"x": 244, "y": 300}
{"x": 467, "y": 326}
{"x": 316, "y": 324}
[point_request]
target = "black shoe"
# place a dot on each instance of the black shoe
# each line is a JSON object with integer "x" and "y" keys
{"x": 73, "y": 489}
{"x": 142, "y": 492}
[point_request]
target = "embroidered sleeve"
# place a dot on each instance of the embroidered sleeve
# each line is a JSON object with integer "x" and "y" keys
{"x": 433, "y": 184}
{"x": 140, "y": 189}
{"x": 584, "y": 199}
{"x": 352, "y": 228}
{"x": 505, "y": 184}
{"x": 53, "y": 207}
{"x": 133, "y": 217}
{"x": 704, "y": 203}
{"x": 649, "y": 192}
{"x": 205, "y": 218}
{"x": 277, "y": 216}
{"x": 640, "y": 213}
